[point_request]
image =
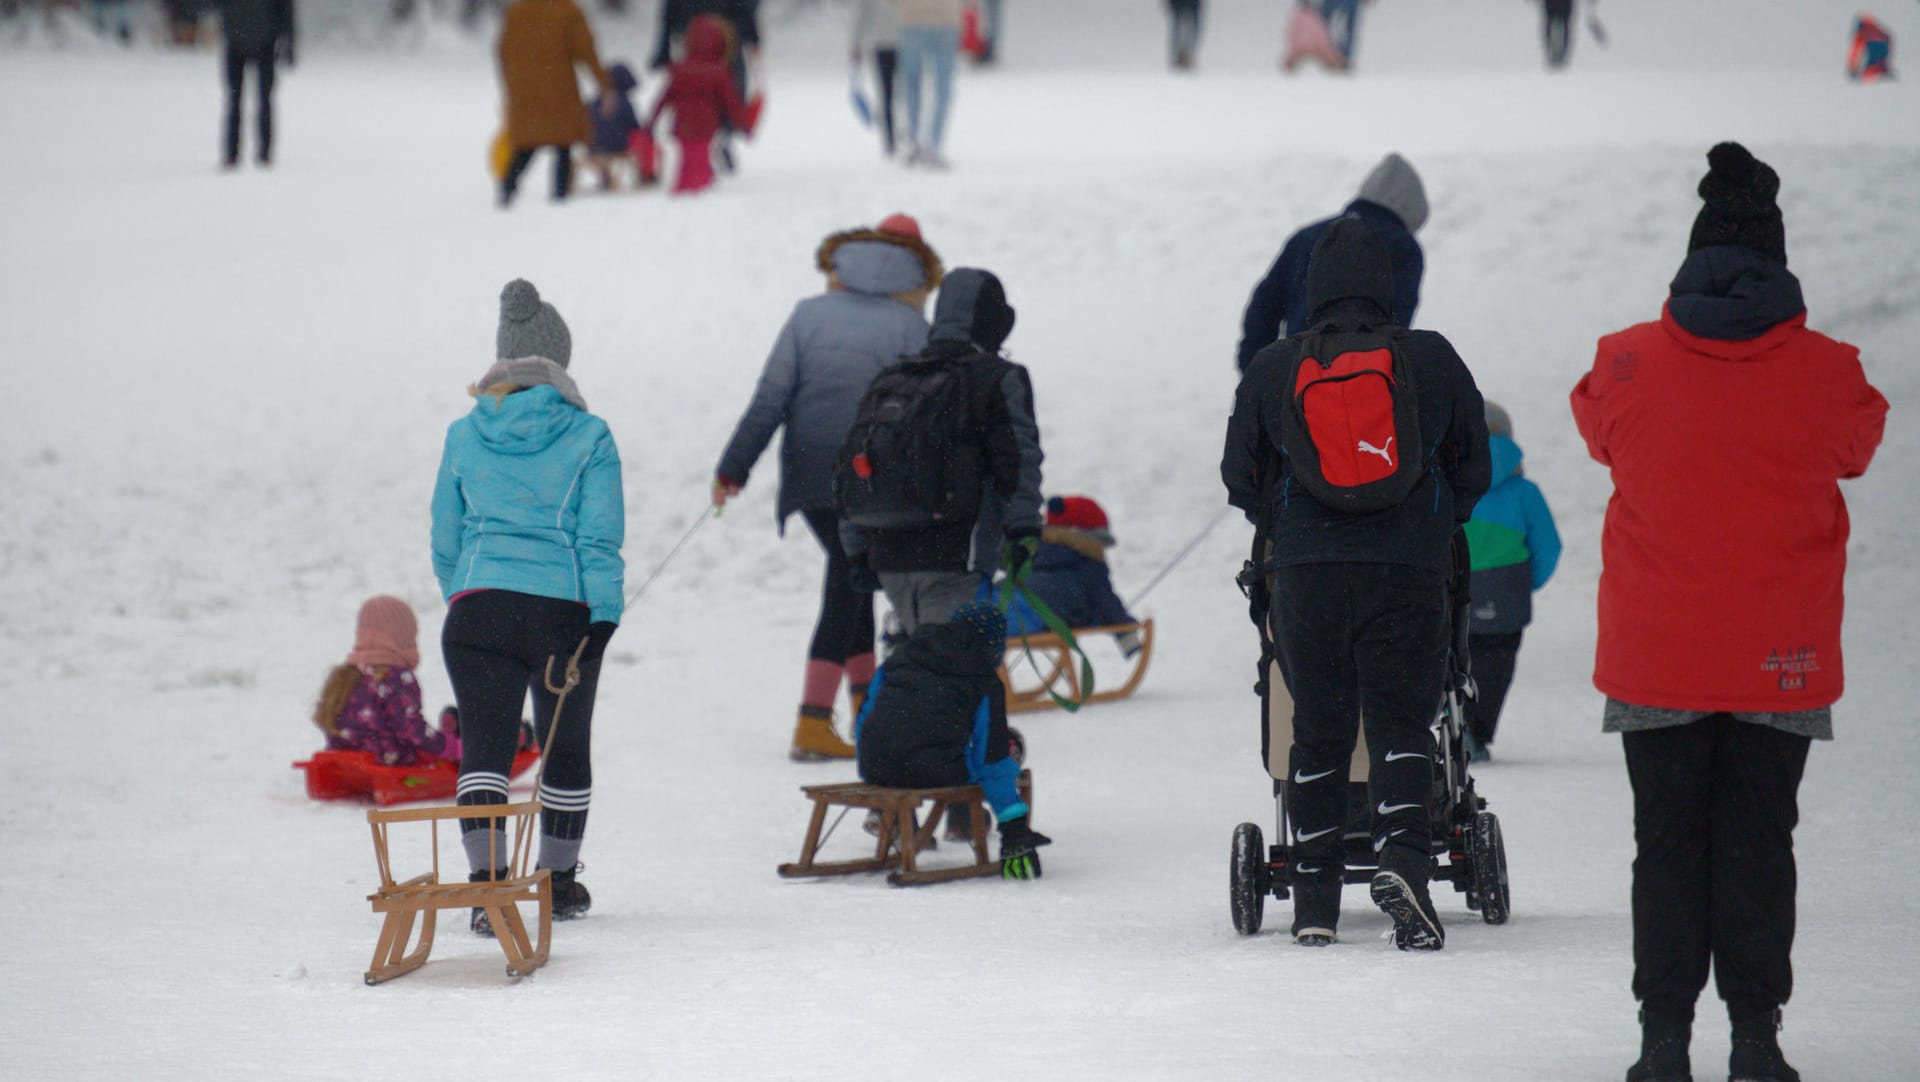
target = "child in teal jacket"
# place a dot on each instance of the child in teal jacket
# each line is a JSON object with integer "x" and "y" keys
{"x": 1514, "y": 548}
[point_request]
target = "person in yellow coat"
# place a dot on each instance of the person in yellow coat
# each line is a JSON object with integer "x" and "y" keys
{"x": 541, "y": 41}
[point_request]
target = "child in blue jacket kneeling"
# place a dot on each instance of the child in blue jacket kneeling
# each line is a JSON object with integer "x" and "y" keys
{"x": 1514, "y": 548}
{"x": 936, "y": 715}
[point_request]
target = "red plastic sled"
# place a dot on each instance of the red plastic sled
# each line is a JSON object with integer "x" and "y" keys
{"x": 338, "y": 775}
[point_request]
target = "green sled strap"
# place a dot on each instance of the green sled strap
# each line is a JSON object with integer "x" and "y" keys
{"x": 1059, "y": 628}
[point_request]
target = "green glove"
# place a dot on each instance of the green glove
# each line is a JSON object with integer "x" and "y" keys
{"x": 1018, "y": 560}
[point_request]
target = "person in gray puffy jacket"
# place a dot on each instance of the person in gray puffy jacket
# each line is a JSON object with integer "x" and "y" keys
{"x": 826, "y": 355}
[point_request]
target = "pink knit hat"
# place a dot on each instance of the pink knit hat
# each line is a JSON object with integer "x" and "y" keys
{"x": 386, "y": 635}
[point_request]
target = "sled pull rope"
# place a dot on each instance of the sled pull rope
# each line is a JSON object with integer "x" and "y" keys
{"x": 566, "y": 686}
{"x": 1059, "y": 627}
{"x": 709, "y": 512}
{"x": 1184, "y": 552}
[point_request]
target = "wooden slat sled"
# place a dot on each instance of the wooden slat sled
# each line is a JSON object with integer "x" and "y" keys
{"x": 420, "y": 898}
{"x": 904, "y": 834}
{"x": 1057, "y": 671}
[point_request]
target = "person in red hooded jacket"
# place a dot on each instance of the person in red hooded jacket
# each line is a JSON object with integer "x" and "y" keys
{"x": 1728, "y": 426}
{"x": 704, "y": 100}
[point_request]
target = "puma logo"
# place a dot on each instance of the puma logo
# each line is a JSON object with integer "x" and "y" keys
{"x": 1383, "y": 452}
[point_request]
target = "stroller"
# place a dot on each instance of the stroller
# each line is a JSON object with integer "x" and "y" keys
{"x": 1467, "y": 847}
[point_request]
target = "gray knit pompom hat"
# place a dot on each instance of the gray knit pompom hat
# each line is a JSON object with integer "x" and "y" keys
{"x": 529, "y": 326}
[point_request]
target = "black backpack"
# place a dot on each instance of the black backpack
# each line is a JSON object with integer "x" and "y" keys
{"x": 910, "y": 461}
{"x": 1352, "y": 430}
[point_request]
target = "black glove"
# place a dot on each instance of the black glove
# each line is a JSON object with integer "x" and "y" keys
{"x": 599, "y": 633}
{"x": 1018, "y": 559}
{"x": 861, "y": 575}
{"x": 1019, "y": 843}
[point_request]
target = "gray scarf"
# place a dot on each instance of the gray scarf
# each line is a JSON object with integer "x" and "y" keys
{"x": 534, "y": 372}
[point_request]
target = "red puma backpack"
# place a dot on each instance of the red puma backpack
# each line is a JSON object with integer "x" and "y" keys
{"x": 1352, "y": 429}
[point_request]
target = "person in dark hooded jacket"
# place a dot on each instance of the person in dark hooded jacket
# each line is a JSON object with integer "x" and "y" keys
{"x": 617, "y": 131}
{"x": 259, "y": 35}
{"x": 827, "y": 353}
{"x": 938, "y": 717}
{"x": 1393, "y": 203}
{"x": 928, "y": 573}
{"x": 1361, "y": 613}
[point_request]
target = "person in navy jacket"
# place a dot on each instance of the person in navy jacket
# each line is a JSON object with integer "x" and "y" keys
{"x": 1514, "y": 549}
{"x": 1393, "y": 203}
{"x": 528, "y": 521}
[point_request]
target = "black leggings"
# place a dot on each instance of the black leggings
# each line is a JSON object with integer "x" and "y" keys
{"x": 1493, "y": 660}
{"x": 523, "y": 156}
{"x": 496, "y": 644}
{"x": 237, "y": 62}
{"x": 845, "y": 628}
{"x": 1558, "y": 30}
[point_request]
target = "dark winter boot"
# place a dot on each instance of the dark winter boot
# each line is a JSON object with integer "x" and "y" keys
{"x": 1756, "y": 1050}
{"x": 570, "y": 897}
{"x": 1316, "y": 912}
{"x": 481, "y": 923}
{"x": 1663, "y": 1050}
{"x": 1416, "y": 927}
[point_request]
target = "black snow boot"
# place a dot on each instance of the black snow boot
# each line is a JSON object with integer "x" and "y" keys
{"x": 1756, "y": 1050}
{"x": 1316, "y": 912}
{"x": 481, "y": 923}
{"x": 1416, "y": 927}
{"x": 1663, "y": 1050}
{"x": 570, "y": 897}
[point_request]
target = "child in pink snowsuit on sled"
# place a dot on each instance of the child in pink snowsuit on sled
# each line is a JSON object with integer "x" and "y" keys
{"x": 1308, "y": 38}
{"x": 371, "y": 703}
{"x": 701, "y": 93}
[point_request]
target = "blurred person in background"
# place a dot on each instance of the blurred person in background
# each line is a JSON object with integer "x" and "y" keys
{"x": 259, "y": 35}
{"x": 110, "y": 17}
{"x": 929, "y": 39}
{"x": 1557, "y": 30}
{"x": 743, "y": 25}
{"x": 876, "y": 29}
{"x": 1343, "y": 19}
{"x": 1184, "y": 17}
{"x": 541, "y": 41}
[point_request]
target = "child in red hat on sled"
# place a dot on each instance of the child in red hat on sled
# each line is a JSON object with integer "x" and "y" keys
{"x": 701, "y": 93}
{"x": 1070, "y": 573}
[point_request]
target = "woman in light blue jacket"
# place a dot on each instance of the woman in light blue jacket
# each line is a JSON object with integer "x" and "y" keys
{"x": 528, "y": 521}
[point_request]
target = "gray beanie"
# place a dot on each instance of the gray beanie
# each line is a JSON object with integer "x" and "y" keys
{"x": 1394, "y": 185}
{"x": 529, "y": 327}
{"x": 1498, "y": 424}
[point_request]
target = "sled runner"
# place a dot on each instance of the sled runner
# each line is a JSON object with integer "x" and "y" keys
{"x": 421, "y": 897}
{"x": 903, "y": 833}
{"x": 337, "y": 775}
{"x": 1053, "y": 659}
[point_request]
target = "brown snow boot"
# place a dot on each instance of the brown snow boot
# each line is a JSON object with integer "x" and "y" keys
{"x": 814, "y": 738}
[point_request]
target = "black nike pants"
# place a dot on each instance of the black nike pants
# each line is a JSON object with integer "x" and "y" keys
{"x": 1361, "y": 641}
{"x": 1714, "y": 807}
{"x": 497, "y": 644}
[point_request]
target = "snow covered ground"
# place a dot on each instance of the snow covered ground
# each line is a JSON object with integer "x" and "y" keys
{"x": 227, "y": 397}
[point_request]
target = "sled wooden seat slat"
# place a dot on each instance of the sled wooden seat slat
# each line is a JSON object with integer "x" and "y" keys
{"x": 421, "y": 897}
{"x": 1056, "y": 664}
{"x": 904, "y": 833}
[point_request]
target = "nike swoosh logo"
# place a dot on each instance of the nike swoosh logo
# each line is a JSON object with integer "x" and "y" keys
{"x": 1388, "y": 809}
{"x": 1392, "y": 755}
{"x": 1305, "y": 837}
{"x": 1302, "y": 779}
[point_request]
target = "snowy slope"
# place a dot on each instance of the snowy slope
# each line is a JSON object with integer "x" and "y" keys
{"x": 228, "y": 398}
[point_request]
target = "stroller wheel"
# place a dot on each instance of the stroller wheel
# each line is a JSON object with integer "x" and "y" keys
{"x": 1490, "y": 869}
{"x": 1247, "y": 879}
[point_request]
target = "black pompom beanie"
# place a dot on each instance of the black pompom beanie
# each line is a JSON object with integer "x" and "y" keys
{"x": 1739, "y": 190}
